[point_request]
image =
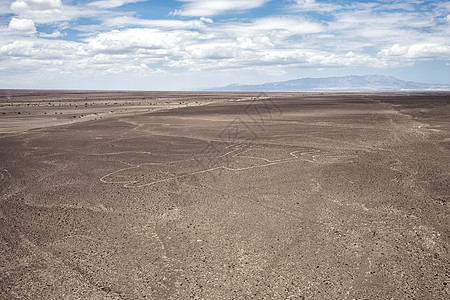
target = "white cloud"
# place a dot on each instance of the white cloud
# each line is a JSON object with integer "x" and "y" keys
{"x": 276, "y": 26}
{"x": 41, "y": 52}
{"x": 40, "y": 11}
{"x": 112, "y": 3}
{"x": 52, "y": 11}
{"x": 55, "y": 34}
{"x": 417, "y": 51}
{"x": 368, "y": 35}
{"x": 139, "y": 41}
{"x": 169, "y": 24}
{"x": 312, "y": 5}
{"x": 208, "y": 20}
{"x": 5, "y": 7}
{"x": 199, "y": 8}
{"x": 22, "y": 26}
{"x": 20, "y": 5}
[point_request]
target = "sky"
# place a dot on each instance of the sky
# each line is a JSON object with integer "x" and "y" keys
{"x": 199, "y": 44}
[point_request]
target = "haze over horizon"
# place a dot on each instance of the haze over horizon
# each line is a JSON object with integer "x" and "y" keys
{"x": 187, "y": 44}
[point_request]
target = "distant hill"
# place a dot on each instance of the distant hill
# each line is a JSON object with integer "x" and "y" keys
{"x": 368, "y": 83}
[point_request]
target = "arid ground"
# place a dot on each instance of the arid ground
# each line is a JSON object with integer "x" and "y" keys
{"x": 224, "y": 196}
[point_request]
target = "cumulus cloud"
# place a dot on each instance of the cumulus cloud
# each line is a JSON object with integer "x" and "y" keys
{"x": 418, "y": 51}
{"x": 139, "y": 41}
{"x": 40, "y": 11}
{"x": 21, "y": 5}
{"x": 368, "y": 35}
{"x": 199, "y": 8}
{"x": 22, "y": 26}
{"x": 40, "y": 52}
{"x": 51, "y": 11}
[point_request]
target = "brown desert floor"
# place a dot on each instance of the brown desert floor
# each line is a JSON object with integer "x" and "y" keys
{"x": 324, "y": 196}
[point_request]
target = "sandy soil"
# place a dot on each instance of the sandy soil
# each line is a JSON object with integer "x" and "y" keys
{"x": 286, "y": 196}
{"x": 22, "y": 110}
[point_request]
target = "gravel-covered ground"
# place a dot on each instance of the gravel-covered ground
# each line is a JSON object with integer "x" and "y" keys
{"x": 278, "y": 196}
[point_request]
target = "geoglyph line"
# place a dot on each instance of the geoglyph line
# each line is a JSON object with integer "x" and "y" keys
{"x": 122, "y": 152}
{"x": 2, "y": 175}
{"x": 295, "y": 155}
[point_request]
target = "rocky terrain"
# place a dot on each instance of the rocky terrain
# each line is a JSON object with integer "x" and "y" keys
{"x": 275, "y": 196}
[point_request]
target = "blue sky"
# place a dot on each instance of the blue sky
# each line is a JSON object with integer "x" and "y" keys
{"x": 190, "y": 44}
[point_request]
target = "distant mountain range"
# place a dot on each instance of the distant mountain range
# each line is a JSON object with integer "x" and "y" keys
{"x": 368, "y": 83}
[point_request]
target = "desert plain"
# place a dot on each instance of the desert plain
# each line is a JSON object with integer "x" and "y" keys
{"x": 158, "y": 195}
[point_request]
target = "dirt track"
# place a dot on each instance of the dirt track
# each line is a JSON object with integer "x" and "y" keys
{"x": 314, "y": 196}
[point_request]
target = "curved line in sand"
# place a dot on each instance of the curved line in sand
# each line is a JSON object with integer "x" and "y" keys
{"x": 122, "y": 152}
{"x": 238, "y": 151}
{"x": 2, "y": 175}
{"x": 131, "y": 183}
{"x": 117, "y": 171}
